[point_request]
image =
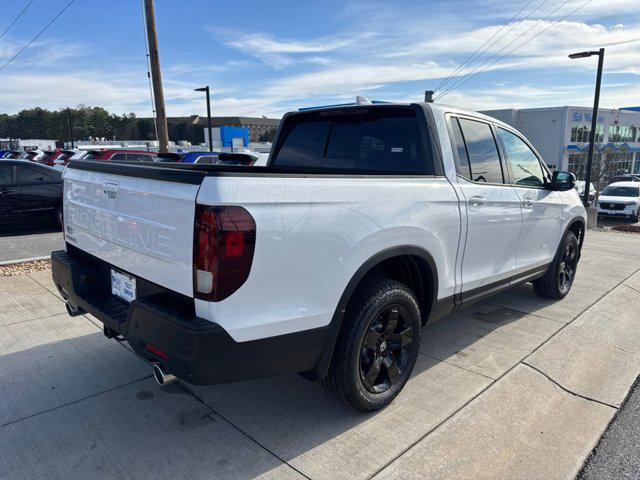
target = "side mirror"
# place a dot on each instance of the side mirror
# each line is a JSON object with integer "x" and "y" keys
{"x": 563, "y": 181}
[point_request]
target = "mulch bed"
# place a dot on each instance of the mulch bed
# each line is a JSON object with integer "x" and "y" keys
{"x": 25, "y": 267}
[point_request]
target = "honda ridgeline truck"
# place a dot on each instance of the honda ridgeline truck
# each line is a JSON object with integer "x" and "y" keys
{"x": 367, "y": 222}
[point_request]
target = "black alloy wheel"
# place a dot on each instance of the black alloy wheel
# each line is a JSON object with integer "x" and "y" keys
{"x": 385, "y": 349}
{"x": 567, "y": 267}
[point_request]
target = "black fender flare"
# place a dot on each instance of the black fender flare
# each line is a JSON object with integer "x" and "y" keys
{"x": 336, "y": 321}
{"x": 572, "y": 222}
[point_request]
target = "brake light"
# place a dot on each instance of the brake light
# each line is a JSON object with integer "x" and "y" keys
{"x": 223, "y": 245}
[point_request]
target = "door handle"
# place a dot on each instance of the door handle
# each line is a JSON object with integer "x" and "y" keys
{"x": 527, "y": 203}
{"x": 477, "y": 201}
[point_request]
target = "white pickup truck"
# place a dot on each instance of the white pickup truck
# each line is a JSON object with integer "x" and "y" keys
{"x": 367, "y": 222}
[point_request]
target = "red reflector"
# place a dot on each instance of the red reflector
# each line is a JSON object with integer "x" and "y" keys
{"x": 157, "y": 352}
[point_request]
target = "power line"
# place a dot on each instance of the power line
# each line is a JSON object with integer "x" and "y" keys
{"x": 37, "y": 35}
{"x": 471, "y": 58}
{"x": 17, "y": 18}
{"x": 479, "y": 66}
{"x": 464, "y": 80}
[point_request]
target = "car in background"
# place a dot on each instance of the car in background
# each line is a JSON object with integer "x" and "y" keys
{"x": 12, "y": 154}
{"x": 33, "y": 155}
{"x": 169, "y": 157}
{"x": 49, "y": 156}
{"x": 628, "y": 177}
{"x": 199, "y": 157}
{"x": 65, "y": 155}
{"x": 580, "y": 185}
{"x": 29, "y": 190}
{"x": 620, "y": 199}
{"x": 120, "y": 155}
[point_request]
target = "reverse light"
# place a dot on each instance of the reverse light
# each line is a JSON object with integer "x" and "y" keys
{"x": 223, "y": 245}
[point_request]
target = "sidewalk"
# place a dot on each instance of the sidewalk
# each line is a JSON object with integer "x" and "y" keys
{"x": 516, "y": 387}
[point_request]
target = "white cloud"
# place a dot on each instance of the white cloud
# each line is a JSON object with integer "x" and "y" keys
{"x": 258, "y": 43}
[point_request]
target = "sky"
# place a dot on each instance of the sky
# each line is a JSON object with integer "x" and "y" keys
{"x": 264, "y": 58}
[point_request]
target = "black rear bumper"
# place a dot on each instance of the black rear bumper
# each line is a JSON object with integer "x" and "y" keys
{"x": 197, "y": 351}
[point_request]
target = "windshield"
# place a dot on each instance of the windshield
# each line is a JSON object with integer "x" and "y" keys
{"x": 621, "y": 191}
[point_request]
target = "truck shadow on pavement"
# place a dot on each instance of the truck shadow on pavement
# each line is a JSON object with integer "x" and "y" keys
{"x": 87, "y": 383}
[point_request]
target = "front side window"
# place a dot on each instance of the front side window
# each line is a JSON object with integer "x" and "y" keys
{"x": 118, "y": 157}
{"x": 482, "y": 150}
{"x": 382, "y": 140}
{"x": 32, "y": 175}
{"x": 524, "y": 164}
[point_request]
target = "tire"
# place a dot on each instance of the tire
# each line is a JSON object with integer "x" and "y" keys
{"x": 558, "y": 280}
{"x": 368, "y": 341}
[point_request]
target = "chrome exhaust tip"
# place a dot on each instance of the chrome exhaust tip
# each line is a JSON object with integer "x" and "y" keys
{"x": 73, "y": 311}
{"x": 161, "y": 376}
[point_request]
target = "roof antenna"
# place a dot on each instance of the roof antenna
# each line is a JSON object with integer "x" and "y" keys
{"x": 363, "y": 101}
{"x": 428, "y": 96}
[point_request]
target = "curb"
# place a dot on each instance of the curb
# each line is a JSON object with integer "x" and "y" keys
{"x": 23, "y": 260}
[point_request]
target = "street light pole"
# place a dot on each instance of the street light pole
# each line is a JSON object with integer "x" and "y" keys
{"x": 206, "y": 90}
{"x": 70, "y": 127}
{"x": 594, "y": 120}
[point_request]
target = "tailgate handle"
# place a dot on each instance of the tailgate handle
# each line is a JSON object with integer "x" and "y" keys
{"x": 110, "y": 190}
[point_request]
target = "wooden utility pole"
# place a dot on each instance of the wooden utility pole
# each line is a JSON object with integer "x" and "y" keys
{"x": 156, "y": 77}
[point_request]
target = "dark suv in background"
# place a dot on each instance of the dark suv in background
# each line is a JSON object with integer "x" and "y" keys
{"x": 29, "y": 190}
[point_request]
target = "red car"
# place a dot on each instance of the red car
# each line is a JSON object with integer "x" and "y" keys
{"x": 121, "y": 155}
{"x": 50, "y": 156}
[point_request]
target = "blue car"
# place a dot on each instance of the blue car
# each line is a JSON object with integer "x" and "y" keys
{"x": 199, "y": 157}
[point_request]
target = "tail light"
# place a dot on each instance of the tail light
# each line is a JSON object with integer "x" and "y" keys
{"x": 223, "y": 244}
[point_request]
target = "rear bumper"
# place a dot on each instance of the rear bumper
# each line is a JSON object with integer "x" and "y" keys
{"x": 198, "y": 351}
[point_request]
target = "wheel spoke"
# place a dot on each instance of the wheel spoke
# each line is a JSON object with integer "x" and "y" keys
{"x": 373, "y": 372}
{"x": 392, "y": 321}
{"x": 391, "y": 366}
{"x": 370, "y": 339}
{"x": 401, "y": 339}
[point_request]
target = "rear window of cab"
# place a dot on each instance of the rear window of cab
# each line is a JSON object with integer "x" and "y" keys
{"x": 377, "y": 140}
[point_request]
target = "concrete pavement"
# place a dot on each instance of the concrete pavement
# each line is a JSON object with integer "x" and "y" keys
{"x": 516, "y": 387}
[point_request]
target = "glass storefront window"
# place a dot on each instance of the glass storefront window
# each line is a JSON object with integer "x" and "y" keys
{"x": 622, "y": 133}
{"x": 580, "y": 132}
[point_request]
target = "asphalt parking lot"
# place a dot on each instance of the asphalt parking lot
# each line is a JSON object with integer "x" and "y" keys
{"x": 29, "y": 241}
{"x": 516, "y": 387}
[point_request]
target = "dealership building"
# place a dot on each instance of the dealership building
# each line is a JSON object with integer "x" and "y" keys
{"x": 561, "y": 135}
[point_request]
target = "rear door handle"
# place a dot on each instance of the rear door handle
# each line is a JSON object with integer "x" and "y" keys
{"x": 527, "y": 203}
{"x": 477, "y": 201}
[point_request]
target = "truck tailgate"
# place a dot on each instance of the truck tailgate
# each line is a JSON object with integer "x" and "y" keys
{"x": 141, "y": 225}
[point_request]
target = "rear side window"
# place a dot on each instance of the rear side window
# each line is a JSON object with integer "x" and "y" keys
{"x": 139, "y": 157}
{"x": 462, "y": 161}
{"x": 482, "y": 151}
{"x": 6, "y": 174}
{"x": 377, "y": 140}
{"x": 118, "y": 157}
